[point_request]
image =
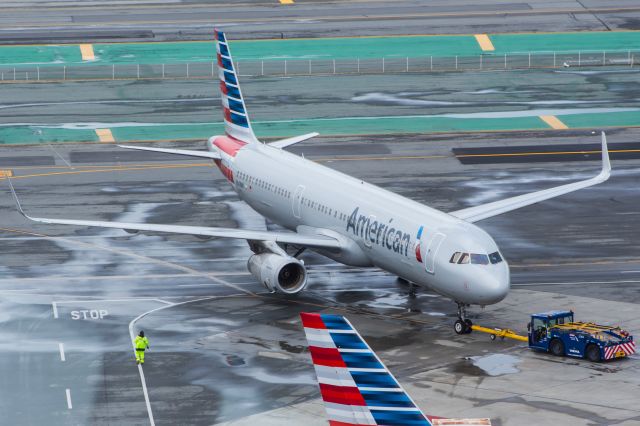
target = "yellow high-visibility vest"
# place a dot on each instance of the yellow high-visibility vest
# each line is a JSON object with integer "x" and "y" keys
{"x": 141, "y": 342}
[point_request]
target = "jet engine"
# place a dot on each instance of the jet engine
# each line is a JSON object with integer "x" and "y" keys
{"x": 284, "y": 274}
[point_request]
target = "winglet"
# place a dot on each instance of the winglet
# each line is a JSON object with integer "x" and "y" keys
{"x": 606, "y": 162}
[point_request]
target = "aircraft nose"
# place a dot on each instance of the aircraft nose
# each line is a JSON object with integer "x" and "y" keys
{"x": 497, "y": 286}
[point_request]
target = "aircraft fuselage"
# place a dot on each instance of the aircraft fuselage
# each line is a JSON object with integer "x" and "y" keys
{"x": 385, "y": 229}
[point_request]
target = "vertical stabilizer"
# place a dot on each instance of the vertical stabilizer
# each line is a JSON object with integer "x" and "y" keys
{"x": 356, "y": 387}
{"x": 236, "y": 118}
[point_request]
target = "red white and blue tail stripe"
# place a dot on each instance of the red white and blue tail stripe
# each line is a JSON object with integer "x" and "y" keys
{"x": 236, "y": 118}
{"x": 356, "y": 387}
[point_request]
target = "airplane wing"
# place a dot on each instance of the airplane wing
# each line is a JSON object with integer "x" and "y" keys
{"x": 474, "y": 214}
{"x": 306, "y": 240}
{"x": 283, "y": 143}
{"x": 190, "y": 153}
{"x": 355, "y": 385}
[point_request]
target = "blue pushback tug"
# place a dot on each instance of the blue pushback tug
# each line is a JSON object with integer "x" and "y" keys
{"x": 556, "y": 332}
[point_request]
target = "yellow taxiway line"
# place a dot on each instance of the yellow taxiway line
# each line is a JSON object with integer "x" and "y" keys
{"x": 485, "y": 42}
{"x": 113, "y": 169}
{"x": 553, "y": 122}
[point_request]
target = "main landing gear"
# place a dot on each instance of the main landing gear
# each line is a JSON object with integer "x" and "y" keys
{"x": 463, "y": 324}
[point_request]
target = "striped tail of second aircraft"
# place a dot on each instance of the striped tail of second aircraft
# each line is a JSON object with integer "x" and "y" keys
{"x": 355, "y": 385}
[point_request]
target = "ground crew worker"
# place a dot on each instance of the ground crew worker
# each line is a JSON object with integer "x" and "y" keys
{"x": 141, "y": 343}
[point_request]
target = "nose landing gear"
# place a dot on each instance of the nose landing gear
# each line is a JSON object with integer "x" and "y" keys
{"x": 463, "y": 324}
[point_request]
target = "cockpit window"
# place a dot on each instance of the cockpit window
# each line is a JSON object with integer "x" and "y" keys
{"x": 495, "y": 258}
{"x": 474, "y": 258}
{"x": 479, "y": 259}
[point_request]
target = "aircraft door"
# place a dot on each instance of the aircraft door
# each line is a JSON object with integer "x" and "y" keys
{"x": 431, "y": 251}
{"x": 297, "y": 201}
{"x": 538, "y": 331}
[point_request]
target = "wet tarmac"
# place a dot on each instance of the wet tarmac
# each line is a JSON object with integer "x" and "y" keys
{"x": 225, "y": 351}
{"x": 75, "y": 21}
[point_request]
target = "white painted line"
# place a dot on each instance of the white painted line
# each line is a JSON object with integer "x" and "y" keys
{"x": 61, "y": 157}
{"x": 629, "y": 272}
{"x": 154, "y": 299}
{"x": 55, "y": 309}
{"x": 132, "y": 337}
{"x": 69, "y": 405}
{"x": 146, "y": 395}
{"x": 61, "y": 347}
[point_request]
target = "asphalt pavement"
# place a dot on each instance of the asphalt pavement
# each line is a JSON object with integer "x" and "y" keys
{"x": 76, "y": 22}
{"x": 220, "y": 341}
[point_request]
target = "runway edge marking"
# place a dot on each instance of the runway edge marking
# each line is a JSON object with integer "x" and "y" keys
{"x": 69, "y": 405}
{"x": 61, "y": 348}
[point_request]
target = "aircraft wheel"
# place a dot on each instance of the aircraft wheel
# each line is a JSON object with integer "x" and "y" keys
{"x": 460, "y": 327}
{"x": 468, "y": 323}
{"x": 493, "y": 337}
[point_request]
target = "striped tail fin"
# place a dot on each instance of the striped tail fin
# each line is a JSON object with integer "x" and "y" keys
{"x": 357, "y": 388}
{"x": 236, "y": 118}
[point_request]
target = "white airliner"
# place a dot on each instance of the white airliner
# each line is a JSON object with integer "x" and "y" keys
{"x": 343, "y": 218}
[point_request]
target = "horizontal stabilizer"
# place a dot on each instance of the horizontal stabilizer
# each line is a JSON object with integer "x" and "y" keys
{"x": 189, "y": 153}
{"x": 283, "y": 143}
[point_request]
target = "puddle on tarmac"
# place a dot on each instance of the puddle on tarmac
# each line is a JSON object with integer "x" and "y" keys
{"x": 487, "y": 365}
{"x": 496, "y": 364}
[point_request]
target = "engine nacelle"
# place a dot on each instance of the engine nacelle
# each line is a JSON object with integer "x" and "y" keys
{"x": 279, "y": 273}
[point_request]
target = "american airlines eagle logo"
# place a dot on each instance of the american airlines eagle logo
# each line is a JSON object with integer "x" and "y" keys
{"x": 418, "y": 255}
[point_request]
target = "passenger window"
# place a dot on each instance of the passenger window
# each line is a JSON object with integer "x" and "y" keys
{"x": 455, "y": 257}
{"x": 464, "y": 259}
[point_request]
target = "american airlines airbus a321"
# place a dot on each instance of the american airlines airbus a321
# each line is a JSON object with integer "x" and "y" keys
{"x": 344, "y": 218}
